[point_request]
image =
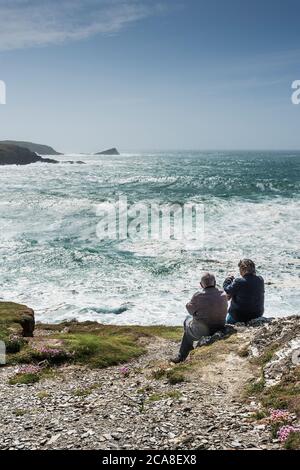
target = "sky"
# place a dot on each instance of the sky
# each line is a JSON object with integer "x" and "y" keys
{"x": 85, "y": 75}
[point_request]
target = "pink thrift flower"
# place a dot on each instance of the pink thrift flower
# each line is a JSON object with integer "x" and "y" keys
{"x": 285, "y": 431}
{"x": 280, "y": 416}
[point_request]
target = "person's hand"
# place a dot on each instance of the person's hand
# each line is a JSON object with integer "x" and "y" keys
{"x": 230, "y": 275}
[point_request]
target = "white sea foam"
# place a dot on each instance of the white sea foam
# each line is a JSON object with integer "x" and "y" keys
{"x": 53, "y": 261}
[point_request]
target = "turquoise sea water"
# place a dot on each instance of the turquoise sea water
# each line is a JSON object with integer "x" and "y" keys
{"x": 52, "y": 260}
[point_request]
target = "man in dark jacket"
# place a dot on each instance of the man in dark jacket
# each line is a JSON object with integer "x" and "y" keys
{"x": 208, "y": 310}
{"x": 246, "y": 294}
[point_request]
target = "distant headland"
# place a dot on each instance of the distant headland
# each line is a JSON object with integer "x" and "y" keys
{"x": 15, "y": 155}
{"x": 112, "y": 151}
{"x": 37, "y": 148}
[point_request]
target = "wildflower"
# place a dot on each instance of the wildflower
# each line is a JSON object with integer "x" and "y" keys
{"x": 125, "y": 371}
{"x": 285, "y": 431}
{"x": 29, "y": 369}
{"x": 280, "y": 416}
{"x": 51, "y": 352}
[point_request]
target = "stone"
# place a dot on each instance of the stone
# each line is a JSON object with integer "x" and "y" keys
{"x": 14, "y": 155}
{"x": 112, "y": 151}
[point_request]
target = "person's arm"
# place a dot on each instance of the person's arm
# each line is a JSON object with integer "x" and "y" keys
{"x": 192, "y": 305}
{"x": 231, "y": 286}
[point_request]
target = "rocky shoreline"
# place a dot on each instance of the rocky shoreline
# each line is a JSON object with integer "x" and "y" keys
{"x": 125, "y": 394}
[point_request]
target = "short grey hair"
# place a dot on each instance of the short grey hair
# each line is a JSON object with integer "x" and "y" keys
{"x": 208, "y": 280}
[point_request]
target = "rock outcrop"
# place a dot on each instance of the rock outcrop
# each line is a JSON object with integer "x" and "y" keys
{"x": 14, "y": 155}
{"x": 37, "y": 148}
{"x": 112, "y": 151}
{"x": 13, "y": 316}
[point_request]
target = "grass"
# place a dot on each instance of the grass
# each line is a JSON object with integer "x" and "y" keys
{"x": 267, "y": 355}
{"x": 255, "y": 387}
{"x": 88, "y": 343}
{"x": 86, "y": 391}
{"x": 24, "y": 379}
{"x": 96, "y": 351}
{"x": 177, "y": 375}
{"x": 258, "y": 415}
{"x": 43, "y": 394}
{"x": 293, "y": 441}
{"x": 166, "y": 332}
{"x": 243, "y": 351}
{"x": 91, "y": 343}
{"x": 101, "y": 351}
{"x": 20, "y": 412}
{"x": 285, "y": 395}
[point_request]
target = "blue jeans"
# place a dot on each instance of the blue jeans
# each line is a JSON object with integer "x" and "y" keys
{"x": 230, "y": 320}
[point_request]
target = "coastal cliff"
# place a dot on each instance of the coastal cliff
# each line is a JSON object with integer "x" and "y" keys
{"x": 15, "y": 155}
{"x": 92, "y": 386}
{"x": 32, "y": 147}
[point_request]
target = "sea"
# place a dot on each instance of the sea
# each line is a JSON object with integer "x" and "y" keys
{"x": 52, "y": 259}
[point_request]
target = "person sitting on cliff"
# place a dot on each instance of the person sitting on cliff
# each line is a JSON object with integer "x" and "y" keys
{"x": 208, "y": 310}
{"x": 246, "y": 294}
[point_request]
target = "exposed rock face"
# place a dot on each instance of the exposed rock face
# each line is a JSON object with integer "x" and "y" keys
{"x": 14, "y": 155}
{"x": 284, "y": 334}
{"x": 38, "y": 148}
{"x": 112, "y": 151}
{"x": 12, "y": 315}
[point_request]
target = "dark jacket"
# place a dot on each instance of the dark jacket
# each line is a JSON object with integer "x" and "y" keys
{"x": 209, "y": 309}
{"x": 247, "y": 297}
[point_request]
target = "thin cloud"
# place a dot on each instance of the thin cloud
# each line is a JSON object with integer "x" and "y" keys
{"x": 28, "y": 23}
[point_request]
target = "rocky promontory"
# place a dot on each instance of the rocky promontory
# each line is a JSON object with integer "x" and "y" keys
{"x": 37, "y": 148}
{"x": 14, "y": 155}
{"x": 92, "y": 386}
{"x": 112, "y": 151}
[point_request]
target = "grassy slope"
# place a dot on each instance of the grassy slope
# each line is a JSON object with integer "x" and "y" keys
{"x": 88, "y": 343}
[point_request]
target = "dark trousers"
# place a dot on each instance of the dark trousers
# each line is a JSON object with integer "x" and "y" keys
{"x": 187, "y": 342}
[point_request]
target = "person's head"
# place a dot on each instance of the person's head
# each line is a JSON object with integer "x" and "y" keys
{"x": 246, "y": 266}
{"x": 208, "y": 280}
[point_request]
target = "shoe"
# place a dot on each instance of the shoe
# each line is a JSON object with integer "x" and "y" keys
{"x": 177, "y": 360}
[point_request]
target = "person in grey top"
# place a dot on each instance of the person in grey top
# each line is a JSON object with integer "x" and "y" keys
{"x": 208, "y": 310}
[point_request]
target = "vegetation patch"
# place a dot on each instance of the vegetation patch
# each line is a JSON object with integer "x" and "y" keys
{"x": 284, "y": 395}
{"x": 86, "y": 391}
{"x": 293, "y": 441}
{"x": 43, "y": 394}
{"x": 20, "y": 412}
{"x": 267, "y": 355}
{"x": 24, "y": 379}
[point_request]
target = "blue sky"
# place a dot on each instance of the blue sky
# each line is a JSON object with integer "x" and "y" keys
{"x": 83, "y": 75}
